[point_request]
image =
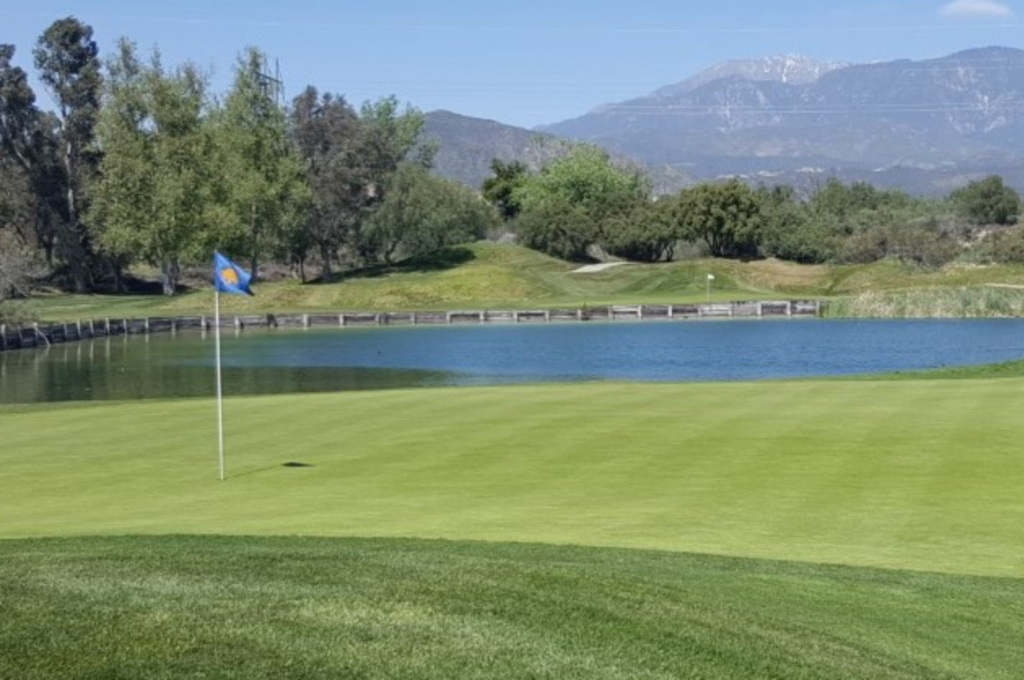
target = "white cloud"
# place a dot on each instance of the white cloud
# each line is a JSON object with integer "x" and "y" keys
{"x": 972, "y": 9}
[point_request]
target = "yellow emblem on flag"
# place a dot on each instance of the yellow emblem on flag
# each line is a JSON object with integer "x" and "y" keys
{"x": 229, "y": 276}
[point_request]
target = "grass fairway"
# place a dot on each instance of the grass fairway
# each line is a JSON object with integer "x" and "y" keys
{"x": 255, "y": 608}
{"x": 866, "y": 529}
{"x": 923, "y": 475}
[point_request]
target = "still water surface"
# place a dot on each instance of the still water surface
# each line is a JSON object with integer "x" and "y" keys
{"x": 269, "y": 361}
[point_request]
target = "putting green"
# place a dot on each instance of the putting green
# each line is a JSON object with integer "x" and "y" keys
{"x": 924, "y": 475}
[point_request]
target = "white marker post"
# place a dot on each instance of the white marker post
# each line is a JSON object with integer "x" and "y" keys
{"x": 229, "y": 278}
{"x": 220, "y": 391}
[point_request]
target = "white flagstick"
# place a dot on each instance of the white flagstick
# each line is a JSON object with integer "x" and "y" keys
{"x": 220, "y": 396}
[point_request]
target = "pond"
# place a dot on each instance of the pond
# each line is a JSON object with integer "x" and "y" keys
{"x": 276, "y": 361}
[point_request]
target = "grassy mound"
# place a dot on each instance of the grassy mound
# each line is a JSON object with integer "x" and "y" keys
{"x": 202, "y": 607}
{"x": 491, "y": 276}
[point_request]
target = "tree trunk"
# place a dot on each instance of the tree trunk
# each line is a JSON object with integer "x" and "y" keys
{"x": 74, "y": 252}
{"x": 389, "y": 253}
{"x": 325, "y": 262}
{"x": 254, "y": 262}
{"x": 169, "y": 275}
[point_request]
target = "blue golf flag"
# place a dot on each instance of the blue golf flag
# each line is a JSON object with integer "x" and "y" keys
{"x": 228, "y": 277}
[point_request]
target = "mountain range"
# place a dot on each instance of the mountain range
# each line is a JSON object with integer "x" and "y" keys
{"x": 925, "y": 126}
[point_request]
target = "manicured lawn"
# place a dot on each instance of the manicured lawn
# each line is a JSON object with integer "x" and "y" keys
{"x": 274, "y": 607}
{"x": 912, "y": 474}
{"x": 867, "y": 528}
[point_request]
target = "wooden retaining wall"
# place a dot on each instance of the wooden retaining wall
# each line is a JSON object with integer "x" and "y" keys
{"x": 41, "y": 335}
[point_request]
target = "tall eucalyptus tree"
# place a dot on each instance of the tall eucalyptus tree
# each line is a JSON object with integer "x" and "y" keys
{"x": 30, "y": 172}
{"x": 67, "y": 60}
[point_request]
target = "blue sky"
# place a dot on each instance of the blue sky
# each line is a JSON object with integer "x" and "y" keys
{"x": 524, "y": 63}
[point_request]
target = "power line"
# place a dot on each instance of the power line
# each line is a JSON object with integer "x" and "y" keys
{"x": 536, "y": 29}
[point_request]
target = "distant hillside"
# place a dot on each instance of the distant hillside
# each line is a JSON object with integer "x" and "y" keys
{"x": 467, "y": 145}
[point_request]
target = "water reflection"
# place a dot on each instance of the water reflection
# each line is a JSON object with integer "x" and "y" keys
{"x": 260, "y": 361}
{"x": 138, "y": 368}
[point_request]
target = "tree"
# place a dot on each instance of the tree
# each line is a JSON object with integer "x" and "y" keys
{"x": 327, "y": 135}
{"x": 67, "y": 60}
{"x": 596, "y": 189}
{"x": 422, "y": 213}
{"x": 264, "y": 189}
{"x": 586, "y": 177}
{"x": 30, "y": 168}
{"x": 154, "y": 199}
{"x": 557, "y": 227}
{"x": 644, "y": 234}
{"x": 500, "y": 187}
{"x": 389, "y": 139}
{"x": 846, "y": 201}
{"x": 726, "y": 216}
{"x": 788, "y": 230}
{"x": 18, "y": 266}
{"x": 349, "y": 159}
{"x": 394, "y": 137}
{"x": 987, "y": 201}
{"x": 20, "y": 120}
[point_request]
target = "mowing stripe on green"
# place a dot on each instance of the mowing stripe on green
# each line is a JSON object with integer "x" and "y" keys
{"x": 924, "y": 475}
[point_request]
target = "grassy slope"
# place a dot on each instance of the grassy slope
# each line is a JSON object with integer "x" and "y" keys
{"x": 493, "y": 276}
{"x": 913, "y": 474}
{"x": 195, "y": 607}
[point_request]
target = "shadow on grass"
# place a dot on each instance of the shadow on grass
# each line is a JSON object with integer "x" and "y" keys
{"x": 440, "y": 260}
{"x": 289, "y": 464}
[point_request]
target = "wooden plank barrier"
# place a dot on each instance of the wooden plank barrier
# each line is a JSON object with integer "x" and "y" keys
{"x": 40, "y": 335}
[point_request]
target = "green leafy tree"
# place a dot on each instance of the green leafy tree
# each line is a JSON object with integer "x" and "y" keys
{"x": 390, "y": 137}
{"x": 987, "y": 201}
{"x": 393, "y": 134}
{"x": 558, "y": 227}
{"x": 265, "y": 191}
{"x": 725, "y": 216}
{"x": 349, "y": 159}
{"x": 30, "y": 172}
{"x": 501, "y": 186}
{"x": 328, "y": 137}
{"x": 646, "y": 233}
{"x": 789, "y": 231}
{"x": 67, "y": 60}
{"x": 598, "y": 191}
{"x": 19, "y": 266}
{"x": 844, "y": 201}
{"x": 860, "y": 223}
{"x": 155, "y": 198}
{"x": 422, "y": 213}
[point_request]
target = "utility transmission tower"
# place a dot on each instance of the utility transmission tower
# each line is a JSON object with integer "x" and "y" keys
{"x": 270, "y": 83}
